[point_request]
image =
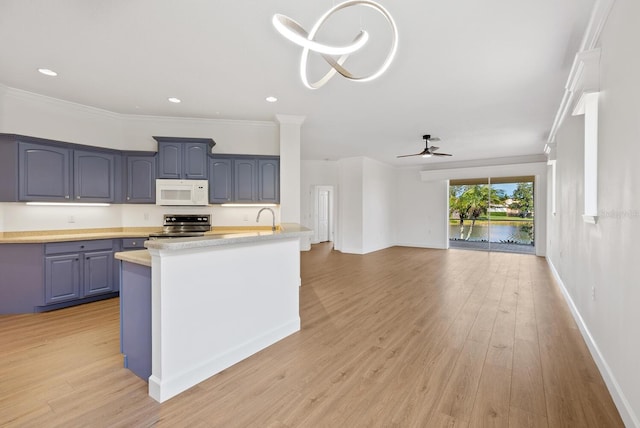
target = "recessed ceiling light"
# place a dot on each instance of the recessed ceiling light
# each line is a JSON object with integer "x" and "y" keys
{"x": 47, "y": 72}
{"x": 271, "y": 99}
{"x": 174, "y": 100}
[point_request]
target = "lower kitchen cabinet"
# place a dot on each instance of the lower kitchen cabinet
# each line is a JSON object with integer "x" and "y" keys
{"x": 79, "y": 269}
{"x": 43, "y": 277}
{"x": 99, "y": 273}
{"x": 62, "y": 278}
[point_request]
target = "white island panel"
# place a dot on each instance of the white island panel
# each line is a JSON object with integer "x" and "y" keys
{"x": 215, "y": 305}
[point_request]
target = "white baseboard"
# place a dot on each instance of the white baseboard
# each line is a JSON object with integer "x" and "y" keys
{"x": 414, "y": 245}
{"x": 163, "y": 389}
{"x": 627, "y": 414}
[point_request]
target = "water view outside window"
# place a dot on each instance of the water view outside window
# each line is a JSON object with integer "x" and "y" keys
{"x": 493, "y": 214}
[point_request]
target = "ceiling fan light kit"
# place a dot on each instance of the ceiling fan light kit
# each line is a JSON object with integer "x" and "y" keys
{"x": 293, "y": 31}
{"x": 428, "y": 151}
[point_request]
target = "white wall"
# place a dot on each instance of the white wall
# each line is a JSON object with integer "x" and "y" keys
{"x": 421, "y": 213}
{"x": 40, "y": 116}
{"x": 379, "y": 188}
{"x": 231, "y": 136}
{"x": 289, "y": 140}
{"x": 17, "y": 217}
{"x": 350, "y": 223}
{"x": 365, "y": 205}
{"x": 604, "y": 257}
{"x": 36, "y": 115}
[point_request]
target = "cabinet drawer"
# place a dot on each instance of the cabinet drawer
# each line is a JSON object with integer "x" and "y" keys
{"x": 133, "y": 243}
{"x": 78, "y": 246}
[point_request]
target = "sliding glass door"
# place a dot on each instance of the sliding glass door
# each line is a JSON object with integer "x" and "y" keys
{"x": 492, "y": 214}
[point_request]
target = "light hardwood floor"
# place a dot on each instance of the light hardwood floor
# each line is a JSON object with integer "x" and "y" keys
{"x": 402, "y": 337}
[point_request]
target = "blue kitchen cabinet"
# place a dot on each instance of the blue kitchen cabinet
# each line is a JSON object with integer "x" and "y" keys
{"x": 44, "y": 173}
{"x": 98, "y": 273}
{"x": 35, "y": 169}
{"x": 77, "y": 270}
{"x": 245, "y": 180}
{"x": 170, "y": 160}
{"x": 94, "y": 176}
{"x": 141, "y": 178}
{"x": 129, "y": 244}
{"x": 195, "y": 161}
{"x": 183, "y": 158}
{"x": 62, "y": 278}
{"x": 269, "y": 180}
{"x": 220, "y": 180}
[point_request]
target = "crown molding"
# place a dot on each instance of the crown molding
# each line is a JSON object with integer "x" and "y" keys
{"x": 488, "y": 162}
{"x": 290, "y": 119}
{"x": 597, "y": 20}
{"x": 582, "y": 74}
{"x": 177, "y": 119}
{"x": 21, "y": 94}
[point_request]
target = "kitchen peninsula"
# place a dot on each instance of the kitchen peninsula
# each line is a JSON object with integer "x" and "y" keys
{"x": 214, "y": 301}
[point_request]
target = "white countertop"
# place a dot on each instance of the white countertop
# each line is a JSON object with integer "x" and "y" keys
{"x": 142, "y": 257}
{"x": 286, "y": 231}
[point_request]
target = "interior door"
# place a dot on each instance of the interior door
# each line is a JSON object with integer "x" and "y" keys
{"x": 323, "y": 215}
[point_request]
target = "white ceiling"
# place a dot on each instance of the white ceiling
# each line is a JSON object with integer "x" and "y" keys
{"x": 486, "y": 76}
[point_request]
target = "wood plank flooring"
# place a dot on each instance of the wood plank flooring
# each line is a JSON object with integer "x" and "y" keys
{"x": 402, "y": 337}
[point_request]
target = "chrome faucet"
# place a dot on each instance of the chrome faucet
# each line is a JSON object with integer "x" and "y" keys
{"x": 273, "y": 227}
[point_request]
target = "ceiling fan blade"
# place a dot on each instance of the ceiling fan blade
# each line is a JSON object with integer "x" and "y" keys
{"x": 406, "y": 156}
{"x": 433, "y": 140}
{"x": 433, "y": 148}
{"x": 441, "y": 154}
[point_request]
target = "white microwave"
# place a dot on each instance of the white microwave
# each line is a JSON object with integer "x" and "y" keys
{"x": 182, "y": 192}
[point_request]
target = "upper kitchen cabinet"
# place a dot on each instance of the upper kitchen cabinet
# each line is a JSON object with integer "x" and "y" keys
{"x": 245, "y": 184}
{"x": 220, "y": 180}
{"x": 244, "y": 179}
{"x": 44, "y": 173}
{"x": 94, "y": 176}
{"x": 140, "y": 178}
{"x": 269, "y": 179}
{"x": 34, "y": 169}
{"x": 183, "y": 158}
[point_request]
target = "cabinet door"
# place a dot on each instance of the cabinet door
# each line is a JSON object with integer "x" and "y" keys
{"x": 269, "y": 180}
{"x": 195, "y": 161}
{"x": 141, "y": 179}
{"x": 62, "y": 278}
{"x": 245, "y": 183}
{"x": 98, "y": 273}
{"x": 170, "y": 160}
{"x": 220, "y": 181}
{"x": 94, "y": 176}
{"x": 44, "y": 173}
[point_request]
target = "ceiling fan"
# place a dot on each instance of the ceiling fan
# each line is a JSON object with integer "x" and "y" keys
{"x": 428, "y": 151}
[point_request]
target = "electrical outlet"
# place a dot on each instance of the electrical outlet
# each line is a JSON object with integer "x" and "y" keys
{"x": 71, "y": 219}
{"x": 246, "y": 217}
{"x": 146, "y": 216}
{"x": 593, "y": 292}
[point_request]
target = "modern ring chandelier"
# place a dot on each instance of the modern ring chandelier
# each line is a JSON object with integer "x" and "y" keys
{"x": 298, "y": 35}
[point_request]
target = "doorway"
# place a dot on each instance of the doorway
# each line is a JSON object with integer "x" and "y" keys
{"x": 323, "y": 197}
{"x": 492, "y": 214}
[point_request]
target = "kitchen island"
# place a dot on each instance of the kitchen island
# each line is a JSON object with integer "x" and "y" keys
{"x": 214, "y": 301}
